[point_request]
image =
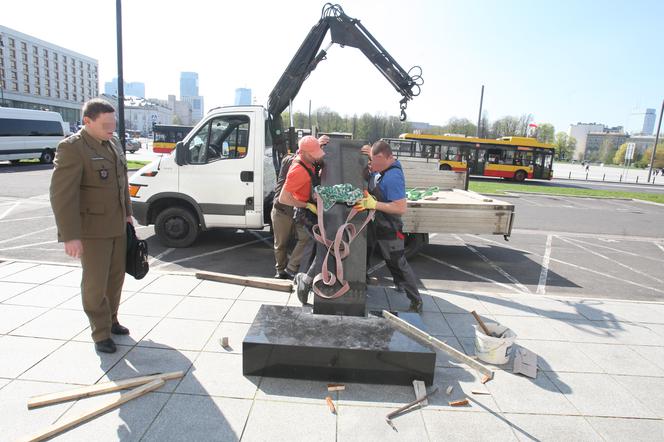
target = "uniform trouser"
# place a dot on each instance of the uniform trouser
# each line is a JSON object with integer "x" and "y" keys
{"x": 282, "y": 227}
{"x": 392, "y": 251}
{"x": 103, "y": 263}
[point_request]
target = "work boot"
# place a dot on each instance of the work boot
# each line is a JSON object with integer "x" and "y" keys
{"x": 118, "y": 329}
{"x": 301, "y": 288}
{"x": 282, "y": 275}
{"x": 415, "y": 306}
{"x": 106, "y": 346}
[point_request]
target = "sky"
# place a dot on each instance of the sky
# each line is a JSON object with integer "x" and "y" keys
{"x": 564, "y": 61}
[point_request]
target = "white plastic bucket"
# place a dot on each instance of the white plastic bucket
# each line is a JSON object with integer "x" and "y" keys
{"x": 494, "y": 350}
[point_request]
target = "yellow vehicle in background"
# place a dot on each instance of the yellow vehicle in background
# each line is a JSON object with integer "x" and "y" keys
{"x": 165, "y": 136}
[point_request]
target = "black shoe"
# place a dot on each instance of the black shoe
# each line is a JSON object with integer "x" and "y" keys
{"x": 284, "y": 275}
{"x": 415, "y": 307}
{"x": 301, "y": 289}
{"x": 118, "y": 329}
{"x": 106, "y": 346}
{"x": 290, "y": 274}
{"x": 398, "y": 287}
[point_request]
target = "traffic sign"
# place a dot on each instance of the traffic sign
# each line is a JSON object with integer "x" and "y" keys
{"x": 629, "y": 153}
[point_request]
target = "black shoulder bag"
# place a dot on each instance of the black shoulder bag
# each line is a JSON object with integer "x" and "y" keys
{"x": 137, "y": 254}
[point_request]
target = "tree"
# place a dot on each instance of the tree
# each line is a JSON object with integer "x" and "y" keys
{"x": 659, "y": 157}
{"x": 461, "y": 126}
{"x": 545, "y": 133}
{"x": 506, "y": 127}
{"x": 619, "y": 157}
{"x": 607, "y": 151}
{"x": 564, "y": 145}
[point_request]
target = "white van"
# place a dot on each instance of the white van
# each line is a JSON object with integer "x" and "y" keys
{"x": 27, "y": 134}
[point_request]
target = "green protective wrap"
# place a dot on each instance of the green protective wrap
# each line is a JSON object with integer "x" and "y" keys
{"x": 419, "y": 193}
{"x": 339, "y": 193}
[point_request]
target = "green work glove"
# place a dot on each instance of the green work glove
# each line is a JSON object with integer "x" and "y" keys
{"x": 366, "y": 203}
{"x": 312, "y": 208}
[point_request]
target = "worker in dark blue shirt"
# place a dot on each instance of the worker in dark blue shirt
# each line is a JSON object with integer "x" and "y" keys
{"x": 387, "y": 195}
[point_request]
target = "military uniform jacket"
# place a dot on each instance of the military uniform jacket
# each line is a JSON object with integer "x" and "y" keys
{"x": 89, "y": 192}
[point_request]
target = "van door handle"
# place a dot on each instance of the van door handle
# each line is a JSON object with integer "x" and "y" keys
{"x": 247, "y": 176}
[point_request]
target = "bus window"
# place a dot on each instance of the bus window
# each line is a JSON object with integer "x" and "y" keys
{"x": 494, "y": 156}
{"x": 508, "y": 157}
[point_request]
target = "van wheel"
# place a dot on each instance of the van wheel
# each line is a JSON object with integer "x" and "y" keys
{"x": 176, "y": 227}
{"x": 445, "y": 167}
{"x": 46, "y": 157}
{"x": 520, "y": 176}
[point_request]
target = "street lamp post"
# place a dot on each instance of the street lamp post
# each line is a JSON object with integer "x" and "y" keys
{"x": 121, "y": 122}
{"x": 654, "y": 148}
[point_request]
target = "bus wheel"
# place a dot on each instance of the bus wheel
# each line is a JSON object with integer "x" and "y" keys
{"x": 46, "y": 156}
{"x": 445, "y": 167}
{"x": 414, "y": 243}
{"x": 176, "y": 227}
{"x": 520, "y": 176}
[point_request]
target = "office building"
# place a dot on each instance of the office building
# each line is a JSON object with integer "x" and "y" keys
{"x": 36, "y": 74}
{"x": 242, "y": 96}
{"x": 131, "y": 88}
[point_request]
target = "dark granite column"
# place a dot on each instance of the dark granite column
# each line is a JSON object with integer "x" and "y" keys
{"x": 344, "y": 164}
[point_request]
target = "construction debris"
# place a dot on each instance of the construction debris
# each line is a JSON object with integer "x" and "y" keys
{"x": 482, "y": 324}
{"x": 407, "y": 407}
{"x": 70, "y": 422}
{"x": 330, "y": 404}
{"x": 224, "y": 342}
{"x": 449, "y": 390}
{"x": 485, "y": 379}
{"x": 249, "y": 281}
{"x": 420, "y": 391}
{"x": 431, "y": 341}
{"x": 94, "y": 390}
{"x": 480, "y": 392}
{"x": 460, "y": 403}
{"x": 525, "y": 362}
{"x": 335, "y": 387}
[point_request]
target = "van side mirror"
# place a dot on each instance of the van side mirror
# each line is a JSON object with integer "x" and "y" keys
{"x": 180, "y": 153}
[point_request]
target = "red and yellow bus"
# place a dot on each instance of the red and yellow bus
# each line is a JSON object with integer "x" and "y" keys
{"x": 515, "y": 158}
{"x": 165, "y": 136}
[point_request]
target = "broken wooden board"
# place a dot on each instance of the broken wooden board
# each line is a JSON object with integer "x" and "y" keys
{"x": 460, "y": 403}
{"x": 336, "y": 387}
{"x": 72, "y": 421}
{"x": 249, "y": 281}
{"x": 420, "y": 391}
{"x": 93, "y": 390}
{"x": 525, "y": 362}
{"x": 427, "y": 339}
{"x": 330, "y": 404}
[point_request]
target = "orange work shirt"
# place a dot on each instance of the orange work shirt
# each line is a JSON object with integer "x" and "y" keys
{"x": 298, "y": 180}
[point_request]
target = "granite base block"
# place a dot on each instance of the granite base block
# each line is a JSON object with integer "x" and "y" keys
{"x": 292, "y": 342}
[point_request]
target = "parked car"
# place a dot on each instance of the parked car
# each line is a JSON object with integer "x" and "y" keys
{"x": 132, "y": 144}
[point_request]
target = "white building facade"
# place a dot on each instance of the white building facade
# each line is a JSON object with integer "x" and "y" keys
{"x": 580, "y": 132}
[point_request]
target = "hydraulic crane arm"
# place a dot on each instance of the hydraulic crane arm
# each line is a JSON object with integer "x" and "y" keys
{"x": 345, "y": 31}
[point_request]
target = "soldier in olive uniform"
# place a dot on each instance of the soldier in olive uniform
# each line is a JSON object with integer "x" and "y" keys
{"x": 90, "y": 201}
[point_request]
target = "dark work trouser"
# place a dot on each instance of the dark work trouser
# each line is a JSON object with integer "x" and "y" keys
{"x": 392, "y": 251}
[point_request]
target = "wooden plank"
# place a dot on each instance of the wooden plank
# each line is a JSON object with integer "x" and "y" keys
{"x": 426, "y": 338}
{"x": 70, "y": 422}
{"x": 93, "y": 390}
{"x": 249, "y": 281}
{"x": 420, "y": 391}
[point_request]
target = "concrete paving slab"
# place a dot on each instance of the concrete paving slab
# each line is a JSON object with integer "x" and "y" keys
{"x": 443, "y": 425}
{"x": 200, "y": 418}
{"x": 13, "y": 316}
{"x": 658, "y": 329}
{"x": 293, "y": 390}
{"x": 288, "y": 421}
{"x": 653, "y": 354}
{"x": 263, "y": 295}
{"x": 235, "y": 332}
{"x": 213, "y": 289}
{"x": 172, "y": 285}
{"x": 21, "y": 353}
{"x": 243, "y": 311}
{"x": 620, "y": 430}
{"x": 503, "y": 306}
{"x": 620, "y": 359}
{"x": 561, "y": 356}
{"x": 553, "y": 308}
{"x": 445, "y": 360}
{"x": 12, "y": 268}
{"x": 462, "y": 323}
{"x": 428, "y": 303}
{"x": 599, "y": 395}
{"x": 180, "y": 334}
{"x": 376, "y": 300}
{"x": 435, "y": 324}
{"x": 463, "y": 381}
{"x": 143, "y": 361}
{"x": 518, "y": 394}
{"x": 17, "y": 420}
{"x": 126, "y": 423}
{"x": 376, "y": 395}
{"x": 202, "y": 309}
{"x": 54, "y": 324}
{"x": 10, "y": 289}
{"x": 76, "y": 302}
{"x": 138, "y": 326}
{"x": 149, "y": 304}
{"x": 542, "y": 427}
{"x": 71, "y": 279}
{"x": 606, "y": 332}
{"x": 44, "y": 296}
{"x": 368, "y": 423}
{"x": 527, "y": 328}
{"x": 74, "y": 363}
{"x": 215, "y": 374}
{"x": 38, "y": 274}
{"x": 648, "y": 390}
{"x": 458, "y": 302}
{"x": 398, "y": 301}
{"x": 134, "y": 285}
